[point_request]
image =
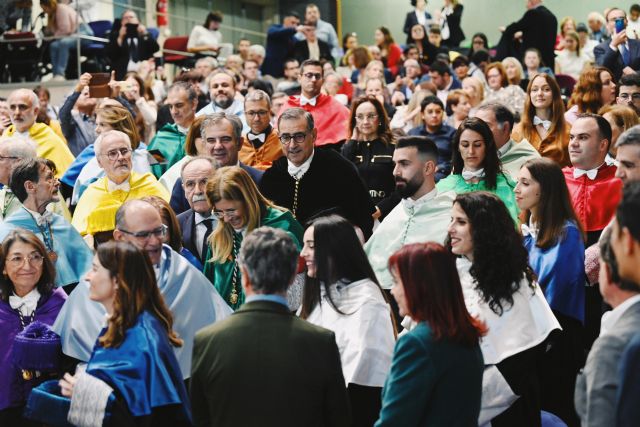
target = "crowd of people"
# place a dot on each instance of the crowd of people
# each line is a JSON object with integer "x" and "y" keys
{"x": 308, "y": 233}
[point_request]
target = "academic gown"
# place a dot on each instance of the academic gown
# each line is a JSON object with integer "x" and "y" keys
{"x": 13, "y": 388}
{"x": 221, "y": 274}
{"x": 74, "y": 256}
{"x": 144, "y": 372}
{"x": 48, "y": 145}
{"x": 188, "y": 294}
{"x": 98, "y": 194}
{"x": 9, "y": 203}
{"x": 170, "y": 142}
{"x": 262, "y": 157}
{"x": 504, "y": 189}
{"x": 516, "y": 155}
{"x": 408, "y": 224}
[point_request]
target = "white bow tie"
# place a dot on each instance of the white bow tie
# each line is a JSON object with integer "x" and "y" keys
{"x": 529, "y": 230}
{"x": 124, "y": 186}
{"x": 253, "y": 137}
{"x": 467, "y": 175}
{"x": 591, "y": 174}
{"x": 26, "y": 304}
{"x": 304, "y": 101}
{"x": 546, "y": 124}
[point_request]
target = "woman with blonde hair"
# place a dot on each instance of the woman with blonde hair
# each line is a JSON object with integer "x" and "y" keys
{"x": 543, "y": 122}
{"x": 408, "y": 116}
{"x": 475, "y": 89}
{"x": 457, "y": 107}
{"x": 571, "y": 60}
{"x": 595, "y": 89}
{"x": 514, "y": 70}
{"x": 500, "y": 89}
{"x": 240, "y": 209}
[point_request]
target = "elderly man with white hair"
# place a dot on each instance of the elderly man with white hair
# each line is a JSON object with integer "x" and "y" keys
{"x": 23, "y": 110}
{"x": 96, "y": 208}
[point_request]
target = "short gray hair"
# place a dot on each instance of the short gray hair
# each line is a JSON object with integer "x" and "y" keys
{"x": 629, "y": 137}
{"x": 257, "y": 49}
{"x": 18, "y": 146}
{"x": 98, "y": 144}
{"x": 185, "y": 86}
{"x": 35, "y": 101}
{"x": 217, "y": 118}
{"x": 270, "y": 258}
{"x": 296, "y": 113}
{"x": 211, "y": 61}
{"x": 258, "y": 95}
{"x": 214, "y": 163}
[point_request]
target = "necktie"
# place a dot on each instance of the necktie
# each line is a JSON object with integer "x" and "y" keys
{"x": 25, "y": 305}
{"x": 467, "y": 175}
{"x": 208, "y": 223}
{"x": 256, "y": 140}
{"x": 591, "y": 174}
{"x": 625, "y": 54}
{"x": 546, "y": 124}
{"x": 133, "y": 51}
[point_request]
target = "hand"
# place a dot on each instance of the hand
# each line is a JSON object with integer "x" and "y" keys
{"x": 517, "y": 35}
{"x": 397, "y": 98}
{"x": 83, "y": 82}
{"x": 114, "y": 85}
{"x": 628, "y": 70}
{"x": 66, "y": 384}
{"x": 376, "y": 214}
{"x": 619, "y": 38}
{"x": 5, "y": 122}
{"x": 142, "y": 29}
{"x": 502, "y": 29}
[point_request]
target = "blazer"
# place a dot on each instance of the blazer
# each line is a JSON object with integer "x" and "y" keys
{"x": 280, "y": 42}
{"x": 627, "y": 409}
{"x": 119, "y": 55}
{"x": 263, "y": 366}
{"x": 607, "y": 57}
{"x": 456, "y": 35}
{"x": 597, "y": 384}
{"x": 412, "y": 20}
{"x": 539, "y": 27}
{"x": 187, "y": 221}
{"x": 301, "y": 51}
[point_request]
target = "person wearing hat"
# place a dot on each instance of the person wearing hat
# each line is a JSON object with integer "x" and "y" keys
{"x": 27, "y": 295}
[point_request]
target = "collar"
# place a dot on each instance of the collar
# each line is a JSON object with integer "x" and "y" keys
{"x": 268, "y": 297}
{"x": 297, "y": 172}
{"x": 112, "y": 186}
{"x": 41, "y": 219}
{"x": 409, "y": 203}
{"x": 27, "y": 304}
{"x": 546, "y": 124}
{"x": 304, "y": 100}
{"x": 530, "y": 229}
{"x": 610, "y": 318}
{"x": 468, "y": 175}
{"x": 181, "y": 129}
{"x": 200, "y": 218}
{"x": 506, "y": 147}
{"x": 591, "y": 173}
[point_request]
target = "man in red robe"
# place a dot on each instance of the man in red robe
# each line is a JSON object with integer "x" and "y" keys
{"x": 594, "y": 188}
{"x": 329, "y": 115}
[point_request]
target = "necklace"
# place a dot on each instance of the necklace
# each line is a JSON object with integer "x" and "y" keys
{"x": 233, "y": 299}
{"x": 47, "y": 238}
{"x": 295, "y": 197}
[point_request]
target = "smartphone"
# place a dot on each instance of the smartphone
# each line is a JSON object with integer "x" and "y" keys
{"x": 99, "y": 85}
{"x": 619, "y": 24}
{"x": 132, "y": 30}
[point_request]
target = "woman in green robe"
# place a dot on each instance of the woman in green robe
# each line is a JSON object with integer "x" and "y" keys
{"x": 240, "y": 208}
{"x": 476, "y": 166}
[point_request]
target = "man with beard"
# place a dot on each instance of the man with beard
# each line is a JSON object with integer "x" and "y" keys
{"x": 34, "y": 184}
{"x": 421, "y": 216}
{"x": 222, "y": 90}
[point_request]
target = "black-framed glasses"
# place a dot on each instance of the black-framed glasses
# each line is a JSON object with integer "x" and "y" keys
{"x": 635, "y": 97}
{"x": 261, "y": 113}
{"x": 115, "y": 153}
{"x": 297, "y": 137}
{"x": 159, "y": 232}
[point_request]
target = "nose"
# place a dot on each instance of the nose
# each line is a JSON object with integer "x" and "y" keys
{"x": 619, "y": 173}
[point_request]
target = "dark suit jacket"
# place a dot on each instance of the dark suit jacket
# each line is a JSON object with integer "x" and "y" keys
{"x": 456, "y": 35}
{"x": 119, "y": 55}
{"x": 263, "y": 366}
{"x": 539, "y": 28}
{"x": 412, "y": 20}
{"x": 280, "y": 42}
{"x": 301, "y": 51}
{"x": 187, "y": 221}
{"x": 627, "y": 408}
{"x": 612, "y": 59}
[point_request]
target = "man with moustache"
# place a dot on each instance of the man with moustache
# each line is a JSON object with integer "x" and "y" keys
{"x": 421, "y": 216}
{"x": 222, "y": 90}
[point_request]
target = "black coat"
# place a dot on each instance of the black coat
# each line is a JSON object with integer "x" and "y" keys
{"x": 539, "y": 28}
{"x": 456, "y": 35}
{"x": 612, "y": 59}
{"x": 331, "y": 185}
{"x": 412, "y": 20}
{"x": 301, "y": 51}
{"x": 119, "y": 55}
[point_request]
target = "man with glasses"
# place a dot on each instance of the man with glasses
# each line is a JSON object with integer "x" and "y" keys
{"x": 23, "y": 110}
{"x": 182, "y": 102}
{"x": 260, "y": 146}
{"x": 629, "y": 91}
{"x": 329, "y": 115}
{"x": 95, "y": 209}
{"x": 34, "y": 184}
{"x": 222, "y": 91}
{"x": 189, "y": 295}
{"x": 312, "y": 182}
{"x": 620, "y": 54}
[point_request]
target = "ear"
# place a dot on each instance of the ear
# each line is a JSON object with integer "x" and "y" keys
{"x": 99, "y": 161}
{"x": 314, "y": 135}
{"x": 118, "y": 235}
{"x": 429, "y": 168}
{"x": 246, "y": 281}
{"x": 30, "y": 186}
{"x": 628, "y": 242}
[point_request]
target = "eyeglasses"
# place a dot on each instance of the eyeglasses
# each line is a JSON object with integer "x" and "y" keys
{"x": 159, "y": 232}
{"x": 18, "y": 260}
{"x": 8, "y": 158}
{"x": 298, "y": 137}
{"x": 362, "y": 117}
{"x": 635, "y": 97}
{"x": 311, "y": 76}
{"x": 261, "y": 113}
{"x": 225, "y": 213}
{"x": 114, "y": 154}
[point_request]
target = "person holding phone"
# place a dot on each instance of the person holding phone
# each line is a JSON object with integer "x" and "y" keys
{"x": 130, "y": 45}
{"x": 621, "y": 54}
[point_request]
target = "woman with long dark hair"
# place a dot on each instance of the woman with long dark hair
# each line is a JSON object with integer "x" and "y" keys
{"x": 342, "y": 294}
{"x": 476, "y": 166}
{"x": 133, "y": 359}
{"x": 436, "y": 374}
{"x": 426, "y": 51}
{"x": 370, "y": 147}
{"x": 554, "y": 239}
{"x": 390, "y": 51}
{"x": 499, "y": 289}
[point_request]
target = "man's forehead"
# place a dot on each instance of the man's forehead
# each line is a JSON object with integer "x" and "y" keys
{"x": 487, "y": 116}
{"x": 293, "y": 125}
{"x": 142, "y": 217}
{"x": 111, "y": 142}
{"x": 584, "y": 125}
{"x": 312, "y": 69}
{"x": 405, "y": 153}
{"x": 197, "y": 169}
{"x": 177, "y": 95}
{"x": 255, "y": 104}
{"x": 222, "y": 128}
{"x": 222, "y": 78}
{"x": 629, "y": 89}
{"x": 20, "y": 98}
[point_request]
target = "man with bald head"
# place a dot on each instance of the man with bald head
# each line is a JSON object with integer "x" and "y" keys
{"x": 23, "y": 110}
{"x": 187, "y": 292}
{"x": 100, "y": 200}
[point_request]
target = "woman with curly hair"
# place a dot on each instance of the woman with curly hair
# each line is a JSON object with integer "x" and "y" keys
{"x": 476, "y": 166}
{"x": 543, "y": 122}
{"x": 595, "y": 89}
{"x": 133, "y": 362}
{"x": 500, "y": 290}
